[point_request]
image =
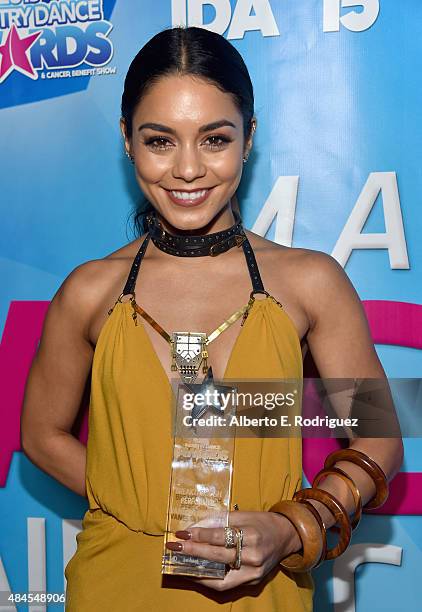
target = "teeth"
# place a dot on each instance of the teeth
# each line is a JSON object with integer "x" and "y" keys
{"x": 184, "y": 195}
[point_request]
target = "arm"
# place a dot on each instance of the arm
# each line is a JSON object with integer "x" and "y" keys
{"x": 341, "y": 345}
{"x": 56, "y": 382}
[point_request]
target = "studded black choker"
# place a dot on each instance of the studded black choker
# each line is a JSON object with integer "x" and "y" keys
{"x": 195, "y": 245}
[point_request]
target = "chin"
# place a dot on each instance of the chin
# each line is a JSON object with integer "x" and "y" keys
{"x": 188, "y": 218}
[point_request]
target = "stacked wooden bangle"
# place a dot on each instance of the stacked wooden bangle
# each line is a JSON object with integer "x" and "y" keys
{"x": 308, "y": 522}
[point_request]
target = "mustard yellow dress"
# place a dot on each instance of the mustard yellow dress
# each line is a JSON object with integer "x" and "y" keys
{"x": 117, "y": 563}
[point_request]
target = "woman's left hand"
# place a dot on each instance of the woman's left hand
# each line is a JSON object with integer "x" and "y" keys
{"x": 267, "y": 538}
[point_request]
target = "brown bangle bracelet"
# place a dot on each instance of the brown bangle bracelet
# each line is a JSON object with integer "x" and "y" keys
{"x": 309, "y": 533}
{"x": 371, "y": 468}
{"x": 354, "y": 521}
{"x": 321, "y": 526}
{"x": 337, "y": 510}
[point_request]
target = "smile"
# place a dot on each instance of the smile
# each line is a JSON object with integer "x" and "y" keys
{"x": 188, "y": 198}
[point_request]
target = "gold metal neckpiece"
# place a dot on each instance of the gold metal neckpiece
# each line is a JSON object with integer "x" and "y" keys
{"x": 188, "y": 349}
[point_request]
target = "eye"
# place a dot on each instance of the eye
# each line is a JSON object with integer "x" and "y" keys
{"x": 218, "y": 141}
{"x": 157, "y": 142}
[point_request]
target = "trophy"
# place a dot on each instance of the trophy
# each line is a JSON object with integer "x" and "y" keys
{"x": 201, "y": 473}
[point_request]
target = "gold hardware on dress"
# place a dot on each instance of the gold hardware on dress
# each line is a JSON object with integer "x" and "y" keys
{"x": 188, "y": 350}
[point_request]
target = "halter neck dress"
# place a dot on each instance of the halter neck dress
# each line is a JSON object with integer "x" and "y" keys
{"x": 117, "y": 563}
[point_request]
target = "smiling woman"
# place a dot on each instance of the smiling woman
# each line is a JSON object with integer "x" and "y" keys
{"x": 188, "y": 125}
{"x": 192, "y": 161}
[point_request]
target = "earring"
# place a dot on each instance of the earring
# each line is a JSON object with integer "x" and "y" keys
{"x": 130, "y": 157}
{"x": 245, "y": 159}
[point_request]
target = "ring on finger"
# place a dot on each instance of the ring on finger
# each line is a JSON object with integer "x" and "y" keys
{"x": 229, "y": 537}
{"x": 236, "y": 564}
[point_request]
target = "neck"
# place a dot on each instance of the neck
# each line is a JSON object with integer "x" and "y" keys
{"x": 198, "y": 242}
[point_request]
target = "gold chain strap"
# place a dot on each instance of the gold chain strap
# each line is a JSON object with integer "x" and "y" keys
{"x": 244, "y": 310}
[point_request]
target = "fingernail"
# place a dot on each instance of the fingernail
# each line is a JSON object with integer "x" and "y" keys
{"x": 175, "y": 545}
{"x": 183, "y": 535}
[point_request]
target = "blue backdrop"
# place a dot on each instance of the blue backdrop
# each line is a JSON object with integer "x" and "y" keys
{"x": 335, "y": 167}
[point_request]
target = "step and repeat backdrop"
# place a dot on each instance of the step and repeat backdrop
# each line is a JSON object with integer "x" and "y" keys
{"x": 335, "y": 167}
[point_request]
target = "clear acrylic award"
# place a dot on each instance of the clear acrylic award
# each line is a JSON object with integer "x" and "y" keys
{"x": 201, "y": 473}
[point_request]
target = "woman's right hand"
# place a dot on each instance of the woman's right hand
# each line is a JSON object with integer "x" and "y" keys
{"x": 267, "y": 539}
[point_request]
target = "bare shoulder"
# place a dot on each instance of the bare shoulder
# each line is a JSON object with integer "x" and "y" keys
{"x": 327, "y": 293}
{"x": 318, "y": 270}
{"x": 308, "y": 279}
{"x": 94, "y": 285}
{"x": 97, "y": 277}
{"x": 305, "y": 264}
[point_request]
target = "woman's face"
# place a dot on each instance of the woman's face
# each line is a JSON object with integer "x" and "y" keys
{"x": 179, "y": 155}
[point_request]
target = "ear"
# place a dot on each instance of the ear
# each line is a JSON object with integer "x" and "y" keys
{"x": 125, "y": 136}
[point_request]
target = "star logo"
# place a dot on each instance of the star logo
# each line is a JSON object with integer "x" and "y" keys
{"x": 14, "y": 54}
{"x": 208, "y": 389}
{"x": 207, "y": 385}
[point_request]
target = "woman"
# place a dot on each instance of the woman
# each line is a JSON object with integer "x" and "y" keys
{"x": 188, "y": 125}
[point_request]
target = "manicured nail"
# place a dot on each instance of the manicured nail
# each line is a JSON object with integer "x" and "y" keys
{"x": 183, "y": 535}
{"x": 175, "y": 545}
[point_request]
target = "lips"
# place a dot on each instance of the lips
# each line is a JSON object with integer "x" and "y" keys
{"x": 188, "y": 201}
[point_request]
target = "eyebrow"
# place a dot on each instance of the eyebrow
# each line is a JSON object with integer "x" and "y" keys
{"x": 204, "y": 128}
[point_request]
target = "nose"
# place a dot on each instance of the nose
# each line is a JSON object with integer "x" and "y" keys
{"x": 188, "y": 164}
